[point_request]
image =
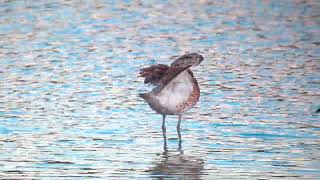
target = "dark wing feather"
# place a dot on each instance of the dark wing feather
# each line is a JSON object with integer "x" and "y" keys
{"x": 172, "y": 72}
{"x": 154, "y": 73}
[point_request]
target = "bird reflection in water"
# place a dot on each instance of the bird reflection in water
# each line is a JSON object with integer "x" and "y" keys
{"x": 176, "y": 165}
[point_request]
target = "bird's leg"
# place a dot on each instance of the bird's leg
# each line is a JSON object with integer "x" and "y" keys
{"x": 164, "y": 133}
{"x": 178, "y": 130}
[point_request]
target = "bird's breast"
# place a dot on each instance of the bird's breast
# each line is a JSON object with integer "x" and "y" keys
{"x": 176, "y": 94}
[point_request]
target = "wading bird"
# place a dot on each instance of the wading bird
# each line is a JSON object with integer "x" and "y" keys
{"x": 176, "y": 89}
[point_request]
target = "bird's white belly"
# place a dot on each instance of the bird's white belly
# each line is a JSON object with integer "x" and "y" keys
{"x": 176, "y": 92}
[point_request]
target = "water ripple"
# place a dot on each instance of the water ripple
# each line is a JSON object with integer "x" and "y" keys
{"x": 68, "y": 90}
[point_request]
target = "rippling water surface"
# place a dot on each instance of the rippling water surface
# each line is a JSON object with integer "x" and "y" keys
{"x": 69, "y": 85}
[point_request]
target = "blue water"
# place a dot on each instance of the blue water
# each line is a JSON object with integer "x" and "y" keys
{"x": 69, "y": 83}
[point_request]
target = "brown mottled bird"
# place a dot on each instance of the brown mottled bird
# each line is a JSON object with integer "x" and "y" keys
{"x": 176, "y": 90}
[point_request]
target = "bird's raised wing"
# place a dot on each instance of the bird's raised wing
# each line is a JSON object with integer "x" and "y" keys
{"x": 187, "y": 60}
{"x": 154, "y": 73}
{"x": 171, "y": 73}
{"x": 160, "y": 74}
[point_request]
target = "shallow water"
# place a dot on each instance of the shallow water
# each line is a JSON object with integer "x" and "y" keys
{"x": 68, "y": 96}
